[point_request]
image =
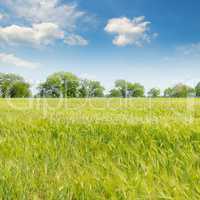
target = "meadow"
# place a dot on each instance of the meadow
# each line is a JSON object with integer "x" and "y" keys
{"x": 99, "y": 149}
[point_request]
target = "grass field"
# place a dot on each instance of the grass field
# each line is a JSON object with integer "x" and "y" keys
{"x": 100, "y": 149}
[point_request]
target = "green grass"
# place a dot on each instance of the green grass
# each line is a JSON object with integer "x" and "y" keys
{"x": 100, "y": 149}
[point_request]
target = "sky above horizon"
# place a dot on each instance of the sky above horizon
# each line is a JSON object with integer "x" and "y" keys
{"x": 154, "y": 42}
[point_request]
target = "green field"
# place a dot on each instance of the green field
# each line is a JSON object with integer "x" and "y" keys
{"x": 100, "y": 149}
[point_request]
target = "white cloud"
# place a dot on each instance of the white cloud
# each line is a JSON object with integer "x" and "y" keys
{"x": 1, "y": 16}
{"x": 129, "y": 32}
{"x": 189, "y": 50}
{"x": 40, "y": 11}
{"x": 73, "y": 40}
{"x": 13, "y": 60}
{"x": 61, "y": 19}
{"x": 38, "y": 34}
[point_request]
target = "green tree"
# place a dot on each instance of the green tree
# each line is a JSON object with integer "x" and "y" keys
{"x": 136, "y": 90}
{"x": 197, "y": 90}
{"x": 90, "y": 88}
{"x": 14, "y": 86}
{"x": 50, "y": 88}
{"x": 60, "y": 84}
{"x": 154, "y": 92}
{"x": 179, "y": 90}
{"x": 19, "y": 90}
{"x": 168, "y": 92}
{"x": 122, "y": 86}
{"x": 127, "y": 89}
{"x": 115, "y": 93}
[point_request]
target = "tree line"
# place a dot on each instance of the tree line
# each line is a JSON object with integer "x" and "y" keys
{"x": 68, "y": 85}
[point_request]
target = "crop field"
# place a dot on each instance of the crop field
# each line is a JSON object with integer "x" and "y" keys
{"x": 99, "y": 149}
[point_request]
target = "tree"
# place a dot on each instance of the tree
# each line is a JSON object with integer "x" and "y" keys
{"x": 127, "y": 89}
{"x": 197, "y": 90}
{"x": 115, "y": 93}
{"x": 50, "y": 88}
{"x": 168, "y": 92}
{"x": 60, "y": 84}
{"x": 179, "y": 90}
{"x": 19, "y": 90}
{"x": 136, "y": 90}
{"x": 14, "y": 86}
{"x": 122, "y": 86}
{"x": 154, "y": 92}
{"x": 90, "y": 88}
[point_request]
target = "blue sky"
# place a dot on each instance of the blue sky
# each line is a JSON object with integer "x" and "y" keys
{"x": 154, "y": 42}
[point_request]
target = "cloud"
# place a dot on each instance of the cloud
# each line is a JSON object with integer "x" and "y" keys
{"x": 73, "y": 40}
{"x": 13, "y": 60}
{"x": 1, "y": 16}
{"x": 189, "y": 49}
{"x": 38, "y": 34}
{"x": 184, "y": 54}
{"x": 61, "y": 19}
{"x": 129, "y": 32}
{"x": 40, "y": 11}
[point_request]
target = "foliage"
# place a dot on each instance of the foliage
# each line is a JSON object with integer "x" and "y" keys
{"x": 180, "y": 90}
{"x": 168, "y": 92}
{"x": 197, "y": 90}
{"x": 66, "y": 84}
{"x": 115, "y": 93}
{"x": 127, "y": 89}
{"x": 136, "y": 90}
{"x": 122, "y": 86}
{"x": 19, "y": 90}
{"x": 13, "y": 86}
{"x": 60, "y": 84}
{"x": 154, "y": 92}
{"x": 89, "y": 88}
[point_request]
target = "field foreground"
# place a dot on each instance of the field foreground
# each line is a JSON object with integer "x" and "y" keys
{"x": 100, "y": 149}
